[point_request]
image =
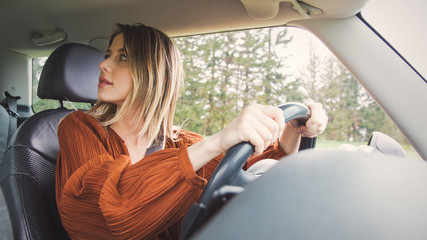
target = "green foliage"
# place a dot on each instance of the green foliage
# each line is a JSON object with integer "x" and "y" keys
{"x": 227, "y": 71}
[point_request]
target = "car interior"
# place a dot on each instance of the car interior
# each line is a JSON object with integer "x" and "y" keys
{"x": 30, "y": 160}
{"x": 367, "y": 196}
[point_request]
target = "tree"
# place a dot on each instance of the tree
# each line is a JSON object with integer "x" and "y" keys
{"x": 340, "y": 96}
{"x": 227, "y": 71}
{"x": 375, "y": 119}
{"x": 224, "y": 73}
{"x": 274, "y": 86}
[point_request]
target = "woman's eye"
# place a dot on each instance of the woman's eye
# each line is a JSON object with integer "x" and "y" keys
{"x": 123, "y": 58}
{"x": 106, "y": 56}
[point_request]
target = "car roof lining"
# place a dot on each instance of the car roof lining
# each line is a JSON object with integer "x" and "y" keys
{"x": 19, "y": 19}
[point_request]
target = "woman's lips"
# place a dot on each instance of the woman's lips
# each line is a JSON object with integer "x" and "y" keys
{"x": 104, "y": 82}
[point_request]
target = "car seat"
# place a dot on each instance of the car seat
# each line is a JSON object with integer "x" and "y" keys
{"x": 27, "y": 173}
{"x": 4, "y": 129}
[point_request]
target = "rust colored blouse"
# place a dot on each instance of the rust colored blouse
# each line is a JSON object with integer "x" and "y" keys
{"x": 101, "y": 195}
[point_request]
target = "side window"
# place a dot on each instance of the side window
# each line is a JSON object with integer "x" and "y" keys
{"x": 227, "y": 71}
{"x": 43, "y": 104}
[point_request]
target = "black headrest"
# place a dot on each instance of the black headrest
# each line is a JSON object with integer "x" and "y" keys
{"x": 71, "y": 73}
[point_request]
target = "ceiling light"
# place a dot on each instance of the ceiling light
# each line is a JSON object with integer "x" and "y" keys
{"x": 43, "y": 38}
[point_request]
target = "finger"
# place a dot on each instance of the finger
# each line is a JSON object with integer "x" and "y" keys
{"x": 266, "y": 127}
{"x": 308, "y": 102}
{"x": 315, "y": 107}
{"x": 309, "y": 133}
{"x": 318, "y": 115}
{"x": 274, "y": 113}
{"x": 271, "y": 125}
{"x": 251, "y": 129}
{"x": 256, "y": 140}
{"x": 320, "y": 119}
{"x": 266, "y": 134}
{"x": 311, "y": 130}
{"x": 315, "y": 122}
{"x": 258, "y": 126}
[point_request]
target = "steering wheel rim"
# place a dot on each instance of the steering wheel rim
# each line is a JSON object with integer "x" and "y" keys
{"x": 230, "y": 167}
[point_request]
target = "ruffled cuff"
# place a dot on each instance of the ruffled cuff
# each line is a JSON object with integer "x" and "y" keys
{"x": 187, "y": 168}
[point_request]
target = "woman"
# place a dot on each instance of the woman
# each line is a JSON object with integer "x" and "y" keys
{"x": 110, "y": 181}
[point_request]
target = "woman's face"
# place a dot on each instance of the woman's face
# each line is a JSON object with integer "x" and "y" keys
{"x": 115, "y": 80}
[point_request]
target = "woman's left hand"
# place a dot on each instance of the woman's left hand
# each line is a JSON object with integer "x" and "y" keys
{"x": 290, "y": 139}
{"x": 316, "y": 124}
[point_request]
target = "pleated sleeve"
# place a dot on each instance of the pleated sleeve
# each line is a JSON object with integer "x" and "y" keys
{"x": 101, "y": 195}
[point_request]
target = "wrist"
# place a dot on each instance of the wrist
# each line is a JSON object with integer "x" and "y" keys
{"x": 290, "y": 139}
{"x": 213, "y": 145}
{"x": 204, "y": 151}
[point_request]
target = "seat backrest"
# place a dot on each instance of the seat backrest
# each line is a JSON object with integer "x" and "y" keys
{"x": 27, "y": 173}
{"x": 4, "y": 129}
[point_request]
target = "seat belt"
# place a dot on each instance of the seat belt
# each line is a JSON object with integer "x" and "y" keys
{"x": 158, "y": 144}
{"x": 12, "y": 109}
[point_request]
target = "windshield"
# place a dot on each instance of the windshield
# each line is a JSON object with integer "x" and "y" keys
{"x": 402, "y": 24}
{"x": 227, "y": 71}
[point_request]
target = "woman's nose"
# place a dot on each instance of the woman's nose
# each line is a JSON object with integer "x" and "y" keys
{"x": 104, "y": 65}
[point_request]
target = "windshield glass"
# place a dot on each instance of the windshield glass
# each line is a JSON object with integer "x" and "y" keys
{"x": 402, "y": 24}
{"x": 227, "y": 71}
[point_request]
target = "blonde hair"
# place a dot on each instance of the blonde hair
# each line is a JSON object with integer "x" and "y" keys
{"x": 156, "y": 68}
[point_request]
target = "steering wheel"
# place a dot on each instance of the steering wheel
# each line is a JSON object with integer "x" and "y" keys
{"x": 229, "y": 171}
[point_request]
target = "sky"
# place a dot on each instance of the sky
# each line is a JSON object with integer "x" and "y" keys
{"x": 408, "y": 34}
{"x": 297, "y": 51}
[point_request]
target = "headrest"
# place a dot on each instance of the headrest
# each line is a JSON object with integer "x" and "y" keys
{"x": 71, "y": 73}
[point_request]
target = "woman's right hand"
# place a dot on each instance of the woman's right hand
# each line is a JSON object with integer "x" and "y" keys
{"x": 258, "y": 124}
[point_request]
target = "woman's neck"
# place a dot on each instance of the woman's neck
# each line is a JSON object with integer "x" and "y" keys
{"x": 135, "y": 143}
{"x": 125, "y": 126}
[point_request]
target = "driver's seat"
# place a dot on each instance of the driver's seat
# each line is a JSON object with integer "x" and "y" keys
{"x": 27, "y": 173}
